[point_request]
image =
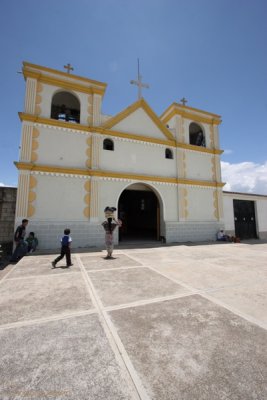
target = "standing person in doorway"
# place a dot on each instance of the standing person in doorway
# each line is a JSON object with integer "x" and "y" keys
{"x": 21, "y": 245}
{"x": 65, "y": 249}
{"x": 109, "y": 226}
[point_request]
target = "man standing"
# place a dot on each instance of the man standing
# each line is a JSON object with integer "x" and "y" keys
{"x": 21, "y": 245}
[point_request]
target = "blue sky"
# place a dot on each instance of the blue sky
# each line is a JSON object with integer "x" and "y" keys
{"x": 213, "y": 52}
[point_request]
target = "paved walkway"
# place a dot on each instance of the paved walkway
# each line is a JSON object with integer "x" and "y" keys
{"x": 164, "y": 323}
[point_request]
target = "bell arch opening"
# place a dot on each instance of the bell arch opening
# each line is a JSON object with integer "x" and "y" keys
{"x": 139, "y": 209}
{"x": 65, "y": 107}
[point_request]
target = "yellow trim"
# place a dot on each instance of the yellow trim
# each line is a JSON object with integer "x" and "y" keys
{"x": 129, "y": 110}
{"x": 51, "y": 122}
{"x": 100, "y": 130}
{"x": 191, "y": 116}
{"x": 177, "y": 105}
{"x": 110, "y": 174}
{"x": 61, "y": 73}
{"x": 134, "y": 137}
{"x": 63, "y": 84}
{"x": 199, "y": 148}
{"x": 104, "y": 131}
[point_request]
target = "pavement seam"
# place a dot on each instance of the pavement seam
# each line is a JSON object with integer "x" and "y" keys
{"x": 147, "y": 302}
{"x": 8, "y": 273}
{"x": 41, "y": 276}
{"x": 113, "y": 269}
{"x": 204, "y": 293}
{"x": 114, "y": 340}
{"x": 37, "y": 321}
{"x": 235, "y": 311}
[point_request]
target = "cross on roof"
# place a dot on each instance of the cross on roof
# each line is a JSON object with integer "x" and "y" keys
{"x": 68, "y": 68}
{"x": 184, "y": 101}
{"x": 139, "y": 83}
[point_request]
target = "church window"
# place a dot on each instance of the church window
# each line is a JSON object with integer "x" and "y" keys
{"x": 108, "y": 144}
{"x": 196, "y": 135}
{"x": 168, "y": 154}
{"x": 65, "y": 107}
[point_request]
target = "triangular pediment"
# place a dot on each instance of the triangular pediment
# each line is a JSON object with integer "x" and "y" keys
{"x": 139, "y": 120}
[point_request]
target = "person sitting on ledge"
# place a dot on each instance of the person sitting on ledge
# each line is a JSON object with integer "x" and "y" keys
{"x": 32, "y": 242}
{"x": 222, "y": 237}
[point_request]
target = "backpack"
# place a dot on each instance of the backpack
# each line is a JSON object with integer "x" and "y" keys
{"x": 65, "y": 240}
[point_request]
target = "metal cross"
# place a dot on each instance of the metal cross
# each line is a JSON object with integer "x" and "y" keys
{"x": 139, "y": 83}
{"x": 68, "y": 68}
{"x": 184, "y": 101}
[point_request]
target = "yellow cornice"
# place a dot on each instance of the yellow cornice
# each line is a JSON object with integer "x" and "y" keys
{"x": 134, "y": 137}
{"x": 103, "y": 131}
{"x": 133, "y": 107}
{"x": 62, "y": 83}
{"x": 110, "y": 174}
{"x": 62, "y": 73}
{"x": 199, "y": 148}
{"x": 100, "y": 130}
{"x": 51, "y": 122}
{"x": 172, "y": 111}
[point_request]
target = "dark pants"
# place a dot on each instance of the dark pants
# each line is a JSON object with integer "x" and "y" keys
{"x": 20, "y": 251}
{"x": 65, "y": 251}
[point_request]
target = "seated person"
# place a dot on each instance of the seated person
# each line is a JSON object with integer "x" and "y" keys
{"x": 221, "y": 236}
{"x": 32, "y": 242}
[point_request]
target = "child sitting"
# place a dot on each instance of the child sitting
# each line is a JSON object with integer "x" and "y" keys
{"x": 32, "y": 242}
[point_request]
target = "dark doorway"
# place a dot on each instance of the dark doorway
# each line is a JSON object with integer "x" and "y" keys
{"x": 245, "y": 223}
{"x": 139, "y": 212}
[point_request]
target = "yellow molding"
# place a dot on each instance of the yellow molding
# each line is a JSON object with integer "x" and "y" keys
{"x": 191, "y": 116}
{"x": 107, "y": 132}
{"x": 110, "y": 174}
{"x": 62, "y": 84}
{"x": 199, "y": 148}
{"x": 104, "y": 131}
{"x": 79, "y": 127}
{"x": 184, "y": 107}
{"x": 61, "y": 73}
{"x": 51, "y": 122}
{"x": 133, "y": 107}
{"x": 133, "y": 136}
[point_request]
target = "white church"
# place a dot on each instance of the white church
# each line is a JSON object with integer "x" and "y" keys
{"x": 162, "y": 173}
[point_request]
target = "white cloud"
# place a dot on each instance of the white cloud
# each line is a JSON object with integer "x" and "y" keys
{"x": 4, "y": 185}
{"x": 246, "y": 177}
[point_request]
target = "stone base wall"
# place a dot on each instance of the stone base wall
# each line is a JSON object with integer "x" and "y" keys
{"x": 83, "y": 234}
{"x": 191, "y": 231}
{"x": 7, "y": 213}
{"x": 263, "y": 235}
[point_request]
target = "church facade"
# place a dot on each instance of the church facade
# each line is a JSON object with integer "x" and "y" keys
{"x": 162, "y": 173}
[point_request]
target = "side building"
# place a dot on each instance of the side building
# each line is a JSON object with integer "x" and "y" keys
{"x": 7, "y": 213}
{"x": 161, "y": 172}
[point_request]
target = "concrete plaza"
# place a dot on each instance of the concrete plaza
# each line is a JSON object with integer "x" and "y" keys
{"x": 181, "y": 322}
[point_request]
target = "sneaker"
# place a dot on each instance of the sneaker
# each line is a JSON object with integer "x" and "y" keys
{"x": 53, "y": 264}
{"x": 69, "y": 265}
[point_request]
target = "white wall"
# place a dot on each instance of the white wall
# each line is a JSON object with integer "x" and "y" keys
{"x": 198, "y": 165}
{"x": 137, "y": 158}
{"x": 200, "y": 204}
{"x": 261, "y": 210}
{"x": 61, "y": 148}
{"x": 139, "y": 123}
{"x": 59, "y": 198}
{"x": 228, "y": 209}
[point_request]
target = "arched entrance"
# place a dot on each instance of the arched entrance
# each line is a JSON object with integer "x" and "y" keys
{"x": 139, "y": 210}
